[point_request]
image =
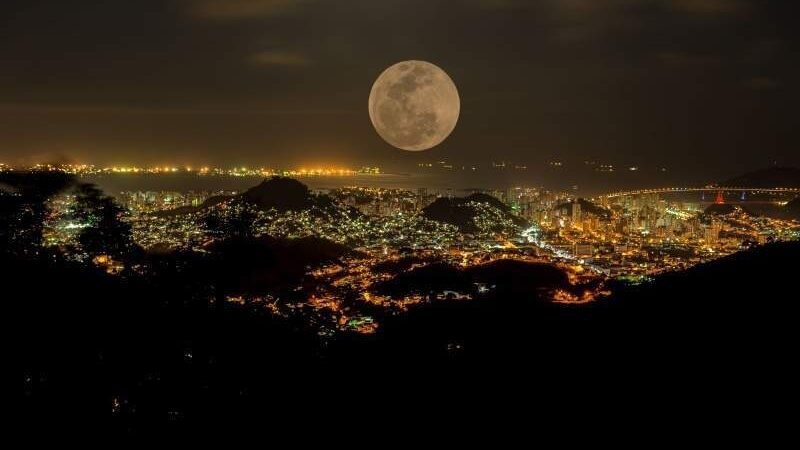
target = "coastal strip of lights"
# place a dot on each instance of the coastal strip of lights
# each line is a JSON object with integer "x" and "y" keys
{"x": 89, "y": 169}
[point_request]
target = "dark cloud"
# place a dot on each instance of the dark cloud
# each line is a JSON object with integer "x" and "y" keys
{"x": 712, "y": 7}
{"x": 279, "y": 58}
{"x": 684, "y": 59}
{"x": 242, "y": 9}
{"x": 763, "y": 83}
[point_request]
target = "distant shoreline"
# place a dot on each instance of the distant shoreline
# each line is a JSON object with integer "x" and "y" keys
{"x": 581, "y": 183}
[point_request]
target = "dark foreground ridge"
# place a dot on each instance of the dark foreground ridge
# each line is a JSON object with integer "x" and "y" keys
{"x": 155, "y": 355}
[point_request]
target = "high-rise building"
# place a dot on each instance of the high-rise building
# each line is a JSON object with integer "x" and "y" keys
{"x": 576, "y": 212}
{"x": 422, "y": 198}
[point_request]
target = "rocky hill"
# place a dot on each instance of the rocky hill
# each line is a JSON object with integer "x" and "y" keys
{"x": 474, "y": 214}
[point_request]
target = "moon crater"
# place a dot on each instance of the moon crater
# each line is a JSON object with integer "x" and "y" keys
{"x": 414, "y": 105}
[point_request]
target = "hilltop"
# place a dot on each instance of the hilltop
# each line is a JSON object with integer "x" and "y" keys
{"x": 772, "y": 177}
{"x": 473, "y": 214}
{"x": 720, "y": 209}
{"x": 586, "y": 207}
{"x": 280, "y": 193}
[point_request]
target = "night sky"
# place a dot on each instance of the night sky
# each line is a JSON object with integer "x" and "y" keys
{"x": 697, "y": 86}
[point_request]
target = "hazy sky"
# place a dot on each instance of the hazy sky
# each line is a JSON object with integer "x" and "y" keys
{"x": 692, "y": 84}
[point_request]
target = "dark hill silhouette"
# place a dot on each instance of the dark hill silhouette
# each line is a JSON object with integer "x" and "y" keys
{"x": 743, "y": 302}
{"x": 279, "y": 193}
{"x": 508, "y": 277}
{"x": 789, "y": 211}
{"x": 518, "y": 279}
{"x": 461, "y": 212}
{"x": 35, "y": 184}
{"x": 488, "y": 199}
{"x": 150, "y": 355}
{"x": 264, "y": 264}
{"x": 793, "y": 208}
{"x": 721, "y": 209}
{"x": 423, "y": 280}
{"x": 772, "y": 177}
{"x": 586, "y": 207}
{"x": 399, "y": 265}
{"x": 729, "y": 313}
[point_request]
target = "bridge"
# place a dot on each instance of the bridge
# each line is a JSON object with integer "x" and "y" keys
{"x": 714, "y": 189}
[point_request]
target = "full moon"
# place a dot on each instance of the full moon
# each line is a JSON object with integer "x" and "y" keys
{"x": 414, "y": 105}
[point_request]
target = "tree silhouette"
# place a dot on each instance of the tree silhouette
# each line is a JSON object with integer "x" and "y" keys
{"x": 23, "y": 208}
{"x": 106, "y": 232}
{"x": 230, "y": 221}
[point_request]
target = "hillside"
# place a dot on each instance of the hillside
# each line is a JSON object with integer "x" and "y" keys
{"x": 473, "y": 214}
{"x": 720, "y": 209}
{"x": 279, "y": 193}
{"x": 586, "y": 207}
{"x": 772, "y": 177}
{"x": 282, "y": 194}
{"x": 258, "y": 265}
{"x": 793, "y": 208}
{"x": 508, "y": 278}
{"x": 736, "y": 310}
